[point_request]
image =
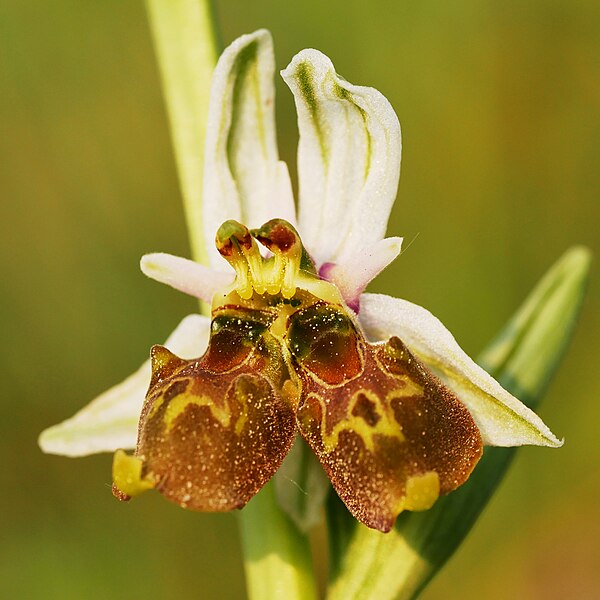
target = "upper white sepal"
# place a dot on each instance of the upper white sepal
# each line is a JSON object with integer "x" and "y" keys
{"x": 348, "y": 159}
{"x": 243, "y": 177}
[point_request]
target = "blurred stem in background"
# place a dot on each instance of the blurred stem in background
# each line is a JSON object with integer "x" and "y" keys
{"x": 186, "y": 46}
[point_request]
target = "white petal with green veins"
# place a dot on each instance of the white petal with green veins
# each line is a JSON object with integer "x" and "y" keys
{"x": 110, "y": 421}
{"x": 243, "y": 177}
{"x": 501, "y": 418}
{"x": 348, "y": 159}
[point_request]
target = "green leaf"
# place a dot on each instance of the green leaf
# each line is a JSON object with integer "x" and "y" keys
{"x": 366, "y": 564}
{"x": 525, "y": 354}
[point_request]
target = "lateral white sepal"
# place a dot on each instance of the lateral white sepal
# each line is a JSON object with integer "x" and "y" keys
{"x": 502, "y": 419}
{"x": 242, "y": 172}
{"x": 110, "y": 421}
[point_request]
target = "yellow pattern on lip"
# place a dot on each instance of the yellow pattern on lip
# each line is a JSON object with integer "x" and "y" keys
{"x": 421, "y": 492}
{"x": 285, "y": 356}
{"x": 381, "y": 423}
{"x": 181, "y": 402}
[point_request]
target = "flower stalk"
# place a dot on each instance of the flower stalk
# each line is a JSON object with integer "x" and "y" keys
{"x": 185, "y": 42}
{"x": 277, "y": 558}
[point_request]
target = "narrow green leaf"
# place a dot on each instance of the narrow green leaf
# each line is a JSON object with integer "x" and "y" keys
{"x": 185, "y": 44}
{"x": 526, "y": 353}
{"x": 398, "y": 565}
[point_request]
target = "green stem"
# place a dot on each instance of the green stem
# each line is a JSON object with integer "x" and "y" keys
{"x": 185, "y": 42}
{"x": 277, "y": 556}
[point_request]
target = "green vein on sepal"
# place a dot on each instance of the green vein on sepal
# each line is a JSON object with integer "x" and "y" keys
{"x": 305, "y": 76}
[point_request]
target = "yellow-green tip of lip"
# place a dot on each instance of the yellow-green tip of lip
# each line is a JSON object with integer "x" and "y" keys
{"x": 127, "y": 475}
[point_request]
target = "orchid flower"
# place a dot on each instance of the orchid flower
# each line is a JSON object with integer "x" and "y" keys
{"x": 393, "y": 408}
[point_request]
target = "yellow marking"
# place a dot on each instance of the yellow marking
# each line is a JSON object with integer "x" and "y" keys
{"x": 273, "y": 275}
{"x": 289, "y": 273}
{"x": 320, "y": 288}
{"x": 243, "y": 280}
{"x": 421, "y": 492}
{"x": 241, "y": 395}
{"x": 290, "y": 392}
{"x": 411, "y": 388}
{"x": 158, "y": 402}
{"x": 279, "y": 326}
{"x": 386, "y": 425}
{"x": 181, "y": 402}
{"x": 127, "y": 474}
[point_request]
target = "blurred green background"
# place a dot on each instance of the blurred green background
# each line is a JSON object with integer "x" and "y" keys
{"x": 499, "y": 104}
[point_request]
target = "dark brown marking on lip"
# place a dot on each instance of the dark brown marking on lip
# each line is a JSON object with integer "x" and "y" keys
{"x": 324, "y": 341}
{"x": 367, "y": 410}
{"x": 226, "y": 420}
{"x": 176, "y": 388}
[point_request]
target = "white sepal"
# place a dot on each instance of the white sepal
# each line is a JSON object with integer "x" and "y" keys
{"x": 242, "y": 171}
{"x": 501, "y": 418}
{"x": 185, "y": 275}
{"x": 348, "y": 159}
{"x": 110, "y": 421}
